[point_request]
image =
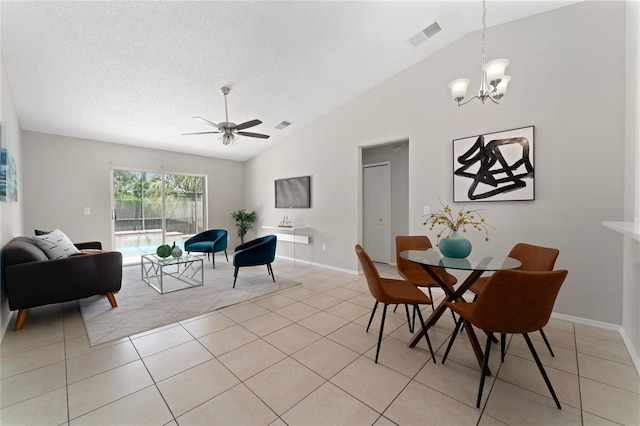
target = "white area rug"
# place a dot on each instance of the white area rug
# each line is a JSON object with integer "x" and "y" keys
{"x": 141, "y": 308}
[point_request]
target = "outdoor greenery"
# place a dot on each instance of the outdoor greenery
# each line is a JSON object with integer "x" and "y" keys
{"x": 138, "y": 199}
{"x": 244, "y": 221}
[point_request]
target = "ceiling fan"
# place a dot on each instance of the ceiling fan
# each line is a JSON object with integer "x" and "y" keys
{"x": 229, "y": 130}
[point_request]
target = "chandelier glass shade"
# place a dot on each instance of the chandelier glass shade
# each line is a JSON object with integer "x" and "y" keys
{"x": 493, "y": 84}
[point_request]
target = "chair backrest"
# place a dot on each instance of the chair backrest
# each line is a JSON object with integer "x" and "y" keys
{"x": 517, "y": 301}
{"x": 405, "y": 267}
{"x": 371, "y": 274}
{"x": 410, "y": 242}
{"x": 534, "y": 258}
{"x": 260, "y": 251}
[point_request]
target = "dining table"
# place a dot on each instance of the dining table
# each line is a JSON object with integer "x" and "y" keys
{"x": 477, "y": 263}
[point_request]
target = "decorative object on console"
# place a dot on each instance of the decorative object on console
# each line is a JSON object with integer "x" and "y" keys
{"x": 164, "y": 250}
{"x": 493, "y": 83}
{"x": 175, "y": 250}
{"x": 285, "y": 222}
{"x": 230, "y": 131}
{"x": 494, "y": 166}
{"x": 452, "y": 223}
{"x": 244, "y": 222}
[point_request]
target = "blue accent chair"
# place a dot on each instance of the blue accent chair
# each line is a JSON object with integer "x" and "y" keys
{"x": 210, "y": 242}
{"x": 260, "y": 251}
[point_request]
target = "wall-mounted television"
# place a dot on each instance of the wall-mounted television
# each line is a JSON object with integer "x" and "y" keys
{"x": 293, "y": 193}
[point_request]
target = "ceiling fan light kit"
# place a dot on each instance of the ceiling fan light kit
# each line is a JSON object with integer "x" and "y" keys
{"x": 230, "y": 131}
{"x": 493, "y": 84}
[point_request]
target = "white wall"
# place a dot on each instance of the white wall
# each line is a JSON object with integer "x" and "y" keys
{"x": 10, "y": 212}
{"x": 568, "y": 81}
{"x": 631, "y": 254}
{"x": 63, "y": 175}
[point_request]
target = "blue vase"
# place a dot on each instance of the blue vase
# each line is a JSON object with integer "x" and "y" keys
{"x": 455, "y": 246}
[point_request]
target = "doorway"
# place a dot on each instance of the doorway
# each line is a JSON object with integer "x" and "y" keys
{"x": 396, "y": 155}
{"x": 154, "y": 208}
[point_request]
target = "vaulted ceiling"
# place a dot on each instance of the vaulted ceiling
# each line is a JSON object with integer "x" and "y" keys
{"x": 136, "y": 72}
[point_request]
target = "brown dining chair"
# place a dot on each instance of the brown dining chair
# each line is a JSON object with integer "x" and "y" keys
{"x": 513, "y": 302}
{"x": 533, "y": 258}
{"x": 415, "y": 273}
{"x": 391, "y": 291}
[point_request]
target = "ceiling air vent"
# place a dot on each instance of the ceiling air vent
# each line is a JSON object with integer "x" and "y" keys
{"x": 283, "y": 124}
{"x": 423, "y": 35}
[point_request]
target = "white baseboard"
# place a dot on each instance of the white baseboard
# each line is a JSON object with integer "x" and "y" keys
{"x": 633, "y": 352}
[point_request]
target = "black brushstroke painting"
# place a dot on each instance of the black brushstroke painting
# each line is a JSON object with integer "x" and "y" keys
{"x": 490, "y": 171}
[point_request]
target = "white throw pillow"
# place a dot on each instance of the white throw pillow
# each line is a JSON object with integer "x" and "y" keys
{"x": 55, "y": 244}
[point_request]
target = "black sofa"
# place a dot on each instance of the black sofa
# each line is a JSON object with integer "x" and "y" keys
{"x": 31, "y": 279}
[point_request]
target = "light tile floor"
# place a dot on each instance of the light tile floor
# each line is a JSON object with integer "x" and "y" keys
{"x": 302, "y": 357}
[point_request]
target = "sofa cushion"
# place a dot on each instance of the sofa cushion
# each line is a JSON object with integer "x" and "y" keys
{"x": 56, "y": 245}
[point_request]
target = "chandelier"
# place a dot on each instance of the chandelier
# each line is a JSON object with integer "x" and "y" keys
{"x": 494, "y": 82}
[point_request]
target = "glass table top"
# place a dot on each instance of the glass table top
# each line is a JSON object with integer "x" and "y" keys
{"x": 478, "y": 260}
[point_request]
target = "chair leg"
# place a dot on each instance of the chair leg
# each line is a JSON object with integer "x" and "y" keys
{"x": 433, "y": 308}
{"x": 406, "y": 308}
{"x": 415, "y": 308}
{"x": 213, "y": 259}
{"x": 544, "y": 337}
{"x": 426, "y": 335}
{"x": 235, "y": 276}
{"x": 541, "y": 368}
{"x": 384, "y": 314}
{"x": 485, "y": 363}
{"x": 20, "y": 319}
{"x": 456, "y": 330}
{"x": 375, "y": 306}
{"x": 225, "y": 255}
{"x": 503, "y": 338}
{"x": 270, "y": 271}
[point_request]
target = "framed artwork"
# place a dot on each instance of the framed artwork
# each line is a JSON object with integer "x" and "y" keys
{"x": 494, "y": 166}
{"x": 8, "y": 172}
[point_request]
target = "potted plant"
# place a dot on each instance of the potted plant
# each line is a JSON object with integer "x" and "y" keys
{"x": 244, "y": 222}
{"x": 450, "y": 243}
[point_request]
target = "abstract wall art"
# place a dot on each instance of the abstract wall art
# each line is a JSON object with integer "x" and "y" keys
{"x": 494, "y": 166}
{"x": 8, "y": 172}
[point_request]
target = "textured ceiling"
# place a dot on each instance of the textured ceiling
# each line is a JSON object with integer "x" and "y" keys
{"x": 136, "y": 72}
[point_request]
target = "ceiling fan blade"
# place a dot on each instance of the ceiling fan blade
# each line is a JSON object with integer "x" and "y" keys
{"x": 206, "y": 121}
{"x": 254, "y": 135}
{"x": 198, "y": 133}
{"x": 248, "y": 124}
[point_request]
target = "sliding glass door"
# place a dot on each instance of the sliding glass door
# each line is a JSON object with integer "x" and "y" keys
{"x": 150, "y": 209}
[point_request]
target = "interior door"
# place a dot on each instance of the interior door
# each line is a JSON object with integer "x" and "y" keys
{"x": 376, "y": 209}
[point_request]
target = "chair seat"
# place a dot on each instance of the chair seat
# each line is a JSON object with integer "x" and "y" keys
{"x": 399, "y": 292}
{"x": 202, "y": 246}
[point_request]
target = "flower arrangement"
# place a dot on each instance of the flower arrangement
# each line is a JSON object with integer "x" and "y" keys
{"x": 455, "y": 222}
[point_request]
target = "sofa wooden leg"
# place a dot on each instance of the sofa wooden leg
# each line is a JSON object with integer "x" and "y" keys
{"x": 112, "y": 299}
{"x": 22, "y": 317}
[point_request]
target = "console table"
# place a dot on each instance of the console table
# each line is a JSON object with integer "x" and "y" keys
{"x": 289, "y": 234}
